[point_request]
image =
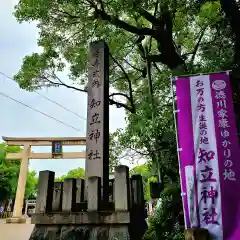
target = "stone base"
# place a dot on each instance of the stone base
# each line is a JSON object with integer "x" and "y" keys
{"x": 196, "y": 234}
{"x": 16, "y": 220}
{"x": 81, "y": 218}
{"x": 105, "y": 232}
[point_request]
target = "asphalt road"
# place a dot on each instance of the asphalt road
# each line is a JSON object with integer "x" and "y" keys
{"x": 15, "y": 231}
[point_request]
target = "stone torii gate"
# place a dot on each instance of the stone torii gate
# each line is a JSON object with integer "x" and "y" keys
{"x": 27, "y": 154}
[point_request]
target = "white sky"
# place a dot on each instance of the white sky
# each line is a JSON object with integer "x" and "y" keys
{"x": 17, "y": 41}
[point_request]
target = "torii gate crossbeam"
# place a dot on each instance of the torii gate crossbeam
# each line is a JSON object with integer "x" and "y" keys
{"x": 27, "y": 154}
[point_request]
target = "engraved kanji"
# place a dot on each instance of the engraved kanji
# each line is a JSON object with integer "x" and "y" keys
{"x": 94, "y": 103}
{"x": 96, "y": 54}
{"x": 94, "y": 135}
{"x": 94, "y": 155}
{"x": 95, "y": 119}
{"x": 96, "y": 73}
{"x": 96, "y": 63}
{"x": 96, "y": 82}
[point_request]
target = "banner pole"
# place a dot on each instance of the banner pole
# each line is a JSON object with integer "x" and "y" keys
{"x": 178, "y": 155}
{"x": 201, "y": 74}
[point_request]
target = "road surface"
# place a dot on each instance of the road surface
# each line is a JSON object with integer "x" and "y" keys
{"x": 15, "y": 231}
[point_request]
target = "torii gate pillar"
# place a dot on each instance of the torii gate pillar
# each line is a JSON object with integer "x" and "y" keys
{"x": 27, "y": 154}
{"x": 22, "y": 179}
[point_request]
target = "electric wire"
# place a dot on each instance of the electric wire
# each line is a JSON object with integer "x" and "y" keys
{"x": 3, "y": 74}
{"x": 15, "y": 100}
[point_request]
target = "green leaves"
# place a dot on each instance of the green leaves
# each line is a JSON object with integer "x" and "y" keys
{"x": 74, "y": 173}
{"x": 33, "y": 68}
{"x": 210, "y": 13}
{"x": 184, "y": 37}
{"x": 145, "y": 171}
{"x": 115, "y": 151}
{"x": 9, "y": 172}
{"x": 66, "y": 27}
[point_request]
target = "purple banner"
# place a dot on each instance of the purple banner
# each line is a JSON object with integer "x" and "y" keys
{"x": 209, "y": 150}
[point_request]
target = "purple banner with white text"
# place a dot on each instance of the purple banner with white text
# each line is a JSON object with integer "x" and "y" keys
{"x": 209, "y": 153}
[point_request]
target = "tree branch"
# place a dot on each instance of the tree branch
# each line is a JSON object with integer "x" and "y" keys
{"x": 67, "y": 14}
{"x": 118, "y": 104}
{"x": 156, "y": 66}
{"x": 130, "y": 98}
{"x": 135, "y": 68}
{"x": 120, "y": 94}
{"x": 61, "y": 83}
{"x": 202, "y": 32}
{"x": 121, "y": 24}
{"x": 155, "y": 13}
{"x": 152, "y": 19}
{"x": 232, "y": 11}
{"x": 139, "y": 152}
{"x": 111, "y": 101}
{"x": 101, "y": 4}
{"x": 157, "y": 58}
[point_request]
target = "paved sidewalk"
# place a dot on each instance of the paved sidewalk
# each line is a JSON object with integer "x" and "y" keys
{"x": 15, "y": 231}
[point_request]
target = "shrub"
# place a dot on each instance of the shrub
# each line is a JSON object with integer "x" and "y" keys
{"x": 166, "y": 223}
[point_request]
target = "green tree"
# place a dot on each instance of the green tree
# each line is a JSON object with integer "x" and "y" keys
{"x": 66, "y": 27}
{"x": 74, "y": 173}
{"x": 145, "y": 171}
{"x": 9, "y": 171}
{"x": 115, "y": 151}
{"x": 31, "y": 185}
{"x": 149, "y": 42}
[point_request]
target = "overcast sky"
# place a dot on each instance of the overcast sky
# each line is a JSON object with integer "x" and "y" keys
{"x": 16, "y": 41}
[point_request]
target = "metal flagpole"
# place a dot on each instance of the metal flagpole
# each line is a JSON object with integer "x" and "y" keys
{"x": 199, "y": 74}
{"x": 173, "y": 79}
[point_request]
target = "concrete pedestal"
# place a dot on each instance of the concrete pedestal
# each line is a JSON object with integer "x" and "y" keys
{"x": 16, "y": 220}
{"x": 196, "y": 234}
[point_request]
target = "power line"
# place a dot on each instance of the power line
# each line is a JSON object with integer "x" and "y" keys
{"x": 60, "y": 105}
{"x": 47, "y": 98}
{"x": 15, "y": 100}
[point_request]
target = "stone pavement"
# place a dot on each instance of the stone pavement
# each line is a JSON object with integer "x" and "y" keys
{"x": 15, "y": 231}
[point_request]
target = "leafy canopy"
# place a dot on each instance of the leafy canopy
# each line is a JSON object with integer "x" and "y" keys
{"x": 74, "y": 173}
{"x": 9, "y": 172}
{"x": 148, "y": 41}
{"x": 178, "y": 34}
